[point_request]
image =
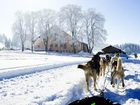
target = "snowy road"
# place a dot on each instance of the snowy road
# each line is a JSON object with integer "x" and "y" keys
{"x": 16, "y": 63}
{"x": 53, "y": 87}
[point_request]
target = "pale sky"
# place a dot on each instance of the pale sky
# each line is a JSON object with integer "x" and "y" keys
{"x": 122, "y": 16}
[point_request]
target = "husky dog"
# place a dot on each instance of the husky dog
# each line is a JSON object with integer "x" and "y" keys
{"x": 118, "y": 72}
{"x": 91, "y": 69}
{"x": 104, "y": 64}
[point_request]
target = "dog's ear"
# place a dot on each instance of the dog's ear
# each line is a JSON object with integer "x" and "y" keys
{"x": 80, "y": 66}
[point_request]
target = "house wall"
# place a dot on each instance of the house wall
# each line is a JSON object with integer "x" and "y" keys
{"x": 39, "y": 45}
{"x": 58, "y": 43}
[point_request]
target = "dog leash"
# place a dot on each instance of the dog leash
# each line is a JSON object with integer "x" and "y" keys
{"x": 104, "y": 86}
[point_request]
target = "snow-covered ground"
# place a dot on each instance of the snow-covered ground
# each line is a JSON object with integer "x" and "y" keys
{"x": 59, "y": 82}
{"x": 16, "y": 63}
{"x": 52, "y": 87}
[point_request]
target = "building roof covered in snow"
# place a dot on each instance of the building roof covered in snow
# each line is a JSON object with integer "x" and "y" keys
{"x": 112, "y": 49}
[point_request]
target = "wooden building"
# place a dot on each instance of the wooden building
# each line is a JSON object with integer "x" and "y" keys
{"x": 59, "y": 42}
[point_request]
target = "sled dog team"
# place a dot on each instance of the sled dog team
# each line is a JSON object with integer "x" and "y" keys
{"x": 97, "y": 66}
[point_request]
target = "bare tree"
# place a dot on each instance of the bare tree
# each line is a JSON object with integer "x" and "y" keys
{"x": 45, "y": 23}
{"x": 94, "y": 28}
{"x": 31, "y": 22}
{"x": 70, "y": 19}
{"x": 71, "y": 14}
{"x": 20, "y": 28}
{"x": 5, "y": 40}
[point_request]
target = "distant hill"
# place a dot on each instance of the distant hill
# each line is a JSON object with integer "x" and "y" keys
{"x": 129, "y": 48}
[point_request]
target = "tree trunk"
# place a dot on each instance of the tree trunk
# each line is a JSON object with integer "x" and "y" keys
{"x": 46, "y": 44}
{"x": 22, "y": 47}
{"x": 32, "y": 47}
{"x": 74, "y": 49}
{"x": 46, "y": 47}
{"x": 73, "y": 42}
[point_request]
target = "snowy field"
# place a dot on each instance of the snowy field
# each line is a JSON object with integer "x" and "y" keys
{"x": 59, "y": 81}
{"x": 15, "y": 63}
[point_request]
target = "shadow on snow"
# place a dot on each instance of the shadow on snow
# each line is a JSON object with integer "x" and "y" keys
{"x": 130, "y": 93}
{"x": 135, "y": 61}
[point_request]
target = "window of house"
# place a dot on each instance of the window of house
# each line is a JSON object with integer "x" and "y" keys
{"x": 65, "y": 45}
{"x": 61, "y": 45}
{"x": 38, "y": 46}
{"x": 56, "y": 45}
{"x": 51, "y": 45}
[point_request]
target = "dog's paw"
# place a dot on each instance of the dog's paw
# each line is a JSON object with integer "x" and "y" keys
{"x": 113, "y": 85}
{"x": 95, "y": 89}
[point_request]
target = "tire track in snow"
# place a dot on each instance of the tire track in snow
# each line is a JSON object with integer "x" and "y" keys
{"x": 29, "y": 70}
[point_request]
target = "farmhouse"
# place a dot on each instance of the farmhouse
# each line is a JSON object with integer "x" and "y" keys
{"x": 59, "y": 41}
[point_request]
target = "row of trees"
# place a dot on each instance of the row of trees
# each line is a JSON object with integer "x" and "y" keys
{"x": 86, "y": 26}
{"x": 5, "y": 41}
{"x": 130, "y": 48}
